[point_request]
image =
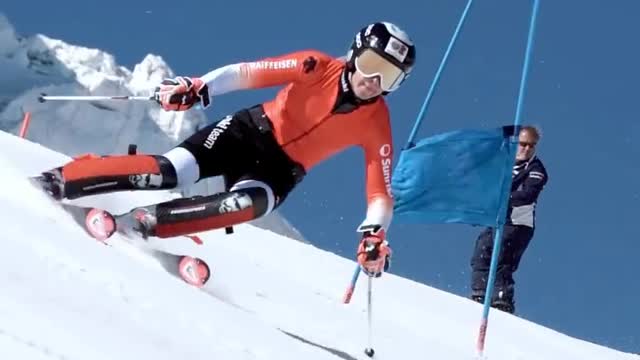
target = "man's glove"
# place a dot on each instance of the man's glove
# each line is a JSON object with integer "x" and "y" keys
{"x": 181, "y": 93}
{"x": 374, "y": 254}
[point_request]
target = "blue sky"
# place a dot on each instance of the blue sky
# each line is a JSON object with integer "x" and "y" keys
{"x": 579, "y": 275}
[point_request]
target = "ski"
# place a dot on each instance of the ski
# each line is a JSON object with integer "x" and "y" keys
{"x": 101, "y": 225}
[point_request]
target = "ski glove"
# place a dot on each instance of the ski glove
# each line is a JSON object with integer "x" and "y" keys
{"x": 374, "y": 254}
{"x": 181, "y": 93}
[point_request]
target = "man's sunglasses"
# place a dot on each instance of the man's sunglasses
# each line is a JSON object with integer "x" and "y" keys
{"x": 525, "y": 144}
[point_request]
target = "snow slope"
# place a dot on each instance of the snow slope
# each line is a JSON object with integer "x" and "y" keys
{"x": 38, "y": 64}
{"x": 66, "y": 296}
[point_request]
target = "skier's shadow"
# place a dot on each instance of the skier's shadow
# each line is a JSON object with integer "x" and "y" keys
{"x": 335, "y": 352}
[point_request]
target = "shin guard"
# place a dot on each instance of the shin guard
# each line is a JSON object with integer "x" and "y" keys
{"x": 91, "y": 174}
{"x": 201, "y": 213}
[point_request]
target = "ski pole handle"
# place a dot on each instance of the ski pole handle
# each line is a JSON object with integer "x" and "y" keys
{"x": 43, "y": 97}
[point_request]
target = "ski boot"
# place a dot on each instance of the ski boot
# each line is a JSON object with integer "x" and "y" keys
{"x": 504, "y": 305}
{"x": 139, "y": 222}
{"x": 51, "y": 182}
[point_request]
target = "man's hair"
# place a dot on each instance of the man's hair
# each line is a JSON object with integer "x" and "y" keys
{"x": 532, "y": 130}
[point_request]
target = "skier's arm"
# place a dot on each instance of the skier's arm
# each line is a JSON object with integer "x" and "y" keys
{"x": 531, "y": 187}
{"x": 267, "y": 72}
{"x": 378, "y": 149}
{"x": 182, "y": 93}
{"x": 374, "y": 253}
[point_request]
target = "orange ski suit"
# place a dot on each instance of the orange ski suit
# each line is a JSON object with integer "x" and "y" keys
{"x": 306, "y": 125}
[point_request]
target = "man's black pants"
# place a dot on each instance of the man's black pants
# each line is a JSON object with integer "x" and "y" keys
{"x": 515, "y": 240}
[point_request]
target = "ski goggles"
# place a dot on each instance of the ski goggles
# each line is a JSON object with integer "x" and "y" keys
{"x": 369, "y": 63}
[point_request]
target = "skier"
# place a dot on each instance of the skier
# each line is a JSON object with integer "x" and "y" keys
{"x": 529, "y": 178}
{"x": 326, "y": 105}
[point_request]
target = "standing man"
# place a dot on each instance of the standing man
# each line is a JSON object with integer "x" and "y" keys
{"x": 529, "y": 178}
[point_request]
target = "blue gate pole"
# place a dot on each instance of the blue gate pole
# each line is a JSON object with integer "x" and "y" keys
{"x": 436, "y": 79}
{"x": 497, "y": 241}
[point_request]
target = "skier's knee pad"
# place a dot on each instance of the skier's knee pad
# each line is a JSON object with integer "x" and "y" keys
{"x": 268, "y": 195}
{"x": 92, "y": 174}
{"x": 200, "y": 213}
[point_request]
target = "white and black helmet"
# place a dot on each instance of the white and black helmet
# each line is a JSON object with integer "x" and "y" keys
{"x": 382, "y": 49}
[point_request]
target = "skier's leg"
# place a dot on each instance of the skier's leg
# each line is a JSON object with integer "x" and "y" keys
{"x": 260, "y": 173}
{"x": 93, "y": 174}
{"x": 247, "y": 155}
{"x": 269, "y": 178}
{"x": 198, "y": 157}
{"x": 186, "y": 216}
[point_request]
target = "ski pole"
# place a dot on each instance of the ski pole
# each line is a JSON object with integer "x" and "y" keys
{"x": 369, "y": 349}
{"x": 43, "y": 97}
{"x": 352, "y": 286}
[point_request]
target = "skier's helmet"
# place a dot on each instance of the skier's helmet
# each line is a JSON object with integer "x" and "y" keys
{"x": 382, "y": 49}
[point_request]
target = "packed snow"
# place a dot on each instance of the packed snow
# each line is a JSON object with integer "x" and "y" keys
{"x": 67, "y": 296}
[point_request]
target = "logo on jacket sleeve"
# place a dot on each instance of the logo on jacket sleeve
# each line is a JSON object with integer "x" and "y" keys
{"x": 309, "y": 64}
{"x": 274, "y": 65}
{"x": 385, "y": 152}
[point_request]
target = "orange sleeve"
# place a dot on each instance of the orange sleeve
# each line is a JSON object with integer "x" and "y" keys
{"x": 294, "y": 67}
{"x": 378, "y": 148}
